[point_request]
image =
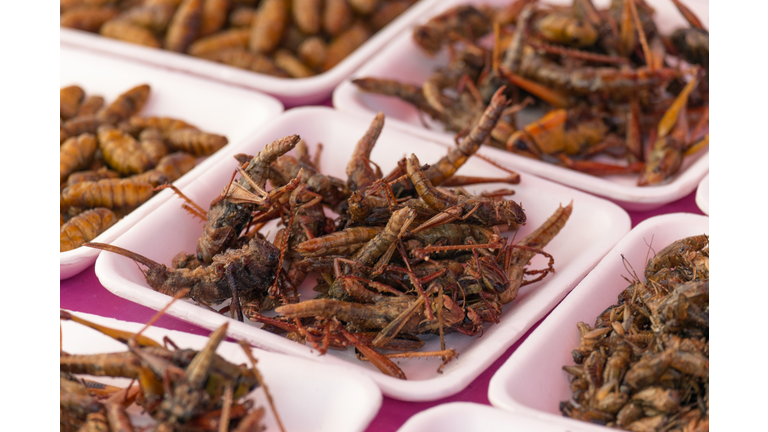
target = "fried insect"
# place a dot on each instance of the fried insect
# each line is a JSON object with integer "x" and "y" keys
{"x": 127, "y": 32}
{"x": 344, "y": 43}
{"x": 126, "y": 105}
{"x": 90, "y": 106}
{"x": 184, "y": 26}
{"x": 76, "y": 153}
{"x": 235, "y": 38}
{"x": 646, "y": 362}
{"x": 213, "y": 16}
{"x": 116, "y": 194}
{"x": 85, "y": 227}
{"x": 175, "y": 165}
{"x": 226, "y": 219}
{"x": 306, "y": 15}
{"x": 243, "y": 274}
{"x": 122, "y": 152}
{"x": 268, "y": 26}
{"x": 69, "y": 101}
{"x": 195, "y": 142}
{"x": 337, "y": 16}
{"x": 153, "y": 17}
{"x": 91, "y": 175}
{"x": 87, "y": 19}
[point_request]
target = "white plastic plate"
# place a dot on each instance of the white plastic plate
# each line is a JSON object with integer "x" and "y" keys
{"x": 532, "y": 382}
{"x": 291, "y": 91}
{"x": 403, "y": 60}
{"x": 594, "y": 227}
{"x": 308, "y": 396}
{"x": 702, "y": 195}
{"x": 467, "y": 416}
{"x": 226, "y": 110}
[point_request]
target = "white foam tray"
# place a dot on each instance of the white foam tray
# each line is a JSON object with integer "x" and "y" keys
{"x": 308, "y": 396}
{"x": 213, "y": 107}
{"x": 467, "y": 416}
{"x": 594, "y": 227}
{"x": 292, "y": 92}
{"x": 532, "y": 382}
{"x": 403, "y": 60}
{"x": 702, "y": 195}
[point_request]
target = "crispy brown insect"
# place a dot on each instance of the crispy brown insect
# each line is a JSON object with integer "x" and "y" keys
{"x": 115, "y": 194}
{"x": 87, "y": 19}
{"x": 345, "y": 43}
{"x": 85, "y": 227}
{"x": 244, "y": 59}
{"x": 122, "y": 152}
{"x": 91, "y": 175}
{"x": 151, "y": 142}
{"x": 388, "y": 11}
{"x": 214, "y": 16}
{"x": 175, "y": 165}
{"x": 337, "y": 16}
{"x": 184, "y": 26}
{"x": 289, "y": 63}
{"x": 196, "y": 142}
{"x": 234, "y": 38}
{"x": 313, "y": 51}
{"x": 154, "y": 18}
{"x": 307, "y": 14}
{"x": 242, "y": 17}
{"x": 69, "y": 101}
{"x": 127, "y": 32}
{"x": 90, "y": 106}
{"x": 364, "y": 7}
{"x": 126, "y": 105}
{"x": 268, "y": 26}
{"x": 76, "y": 153}
{"x": 165, "y": 124}
{"x": 66, "y": 5}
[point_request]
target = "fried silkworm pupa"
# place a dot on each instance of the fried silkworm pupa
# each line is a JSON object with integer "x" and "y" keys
{"x": 214, "y": 16}
{"x": 87, "y": 19}
{"x": 152, "y": 144}
{"x": 388, "y": 11}
{"x": 90, "y": 106}
{"x": 243, "y": 59}
{"x": 127, "y": 32}
{"x": 175, "y": 165}
{"x": 165, "y": 124}
{"x": 313, "y": 51}
{"x": 122, "y": 152}
{"x": 76, "y": 153}
{"x": 80, "y": 125}
{"x": 337, "y": 16}
{"x": 195, "y": 142}
{"x": 268, "y": 26}
{"x": 154, "y": 18}
{"x": 242, "y": 17}
{"x": 66, "y": 5}
{"x": 234, "y": 38}
{"x": 289, "y": 63}
{"x": 91, "y": 175}
{"x": 115, "y": 194}
{"x": 184, "y": 26}
{"x": 85, "y": 227}
{"x": 306, "y": 15}
{"x": 70, "y": 98}
{"x": 126, "y": 105}
{"x": 363, "y": 7}
{"x": 345, "y": 43}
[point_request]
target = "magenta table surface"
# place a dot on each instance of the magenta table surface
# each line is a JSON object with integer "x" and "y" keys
{"x": 84, "y": 293}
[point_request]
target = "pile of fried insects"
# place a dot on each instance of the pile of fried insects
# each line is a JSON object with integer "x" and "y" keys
{"x": 406, "y": 256}
{"x": 621, "y": 98}
{"x": 644, "y": 366}
{"x": 283, "y": 38}
{"x": 181, "y": 389}
{"x": 112, "y": 160}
